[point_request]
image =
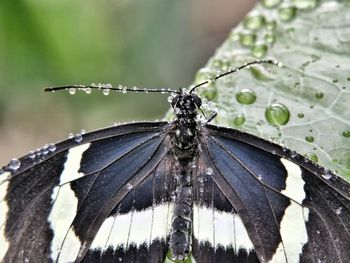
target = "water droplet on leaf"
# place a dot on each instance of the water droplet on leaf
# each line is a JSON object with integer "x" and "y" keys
{"x": 277, "y": 114}
{"x": 309, "y": 138}
{"x": 271, "y": 3}
{"x": 270, "y": 37}
{"x": 254, "y": 22}
{"x": 246, "y": 96}
{"x": 287, "y": 12}
{"x": 305, "y": 4}
{"x": 319, "y": 95}
{"x": 259, "y": 50}
{"x": 239, "y": 120}
{"x": 247, "y": 38}
{"x": 346, "y": 133}
{"x": 312, "y": 156}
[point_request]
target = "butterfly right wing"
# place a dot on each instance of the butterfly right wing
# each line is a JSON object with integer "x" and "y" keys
{"x": 292, "y": 209}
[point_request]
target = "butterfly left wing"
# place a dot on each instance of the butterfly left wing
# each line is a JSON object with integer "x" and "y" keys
{"x": 292, "y": 209}
{"x": 65, "y": 205}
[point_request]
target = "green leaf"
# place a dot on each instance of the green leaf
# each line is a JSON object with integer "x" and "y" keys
{"x": 304, "y": 105}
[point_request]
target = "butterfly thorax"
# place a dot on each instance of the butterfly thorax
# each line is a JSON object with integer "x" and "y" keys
{"x": 185, "y": 109}
{"x": 184, "y": 148}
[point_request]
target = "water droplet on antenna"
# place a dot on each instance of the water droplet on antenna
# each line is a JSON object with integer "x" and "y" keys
{"x": 72, "y": 91}
{"x": 106, "y": 92}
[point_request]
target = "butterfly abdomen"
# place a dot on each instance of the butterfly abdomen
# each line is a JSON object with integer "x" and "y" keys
{"x": 181, "y": 225}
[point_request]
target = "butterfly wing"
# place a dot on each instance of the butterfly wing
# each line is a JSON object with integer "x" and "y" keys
{"x": 66, "y": 205}
{"x": 290, "y": 212}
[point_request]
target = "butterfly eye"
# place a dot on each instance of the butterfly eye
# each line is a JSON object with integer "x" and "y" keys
{"x": 174, "y": 101}
{"x": 197, "y": 100}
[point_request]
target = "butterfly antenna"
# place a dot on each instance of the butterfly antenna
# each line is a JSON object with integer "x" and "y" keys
{"x": 106, "y": 88}
{"x": 246, "y": 65}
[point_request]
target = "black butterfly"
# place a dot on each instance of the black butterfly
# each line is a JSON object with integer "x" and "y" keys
{"x": 132, "y": 193}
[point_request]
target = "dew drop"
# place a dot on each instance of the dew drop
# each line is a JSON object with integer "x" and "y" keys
{"x": 327, "y": 175}
{"x": 70, "y": 135}
{"x": 234, "y": 36}
{"x": 52, "y": 147}
{"x": 293, "y": 154}
{"x": 312, "y": 156}
{"x": 309, "y": 138}
{"x": 78, "y": 137}
{"x": 259, "y": 50}
{"x": 124, "y": 90}
{"x": 106, "y": 92}
{"x": 254, "y": 22}
{"x": 239, "y": 120}
{"x": 72, "y": 91}
{"x": 319, "y": 95}
{"x": 247, "y": 38}
{"x": 129, "y": 186}
{"x": 32, "y": 155}
{"x": 45, "y": 149}
{"x": 246, "y": 96}
{"x": 83, "y": 131}
{"x": 339, "y": 210}
{"x": 88, "y": 90}
{"x": 14, "y": 164}
{"x": 209, "y": 171}
{"x": 108, "y": 86}
{"x": 270, "y": 37}
{"x": 301, "y": 115}
{"x": 346, "y": 133}
{"x": 277, "y": 114}
{"x": 287, "y": 12}
{"x": 271, "y": 25}
{"x": 305, "y": 4}
{"x": 271, "y": 3}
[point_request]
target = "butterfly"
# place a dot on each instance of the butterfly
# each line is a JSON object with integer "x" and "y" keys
{"x": 137, "y": 192}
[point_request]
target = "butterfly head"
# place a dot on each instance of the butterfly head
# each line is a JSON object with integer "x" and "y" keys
{"x": 186, "y": 104}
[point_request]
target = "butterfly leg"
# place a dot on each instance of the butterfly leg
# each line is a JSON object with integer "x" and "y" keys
{"x": 213, "y": 115}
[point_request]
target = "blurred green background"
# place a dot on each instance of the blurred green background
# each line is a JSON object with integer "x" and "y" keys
{"x": 151, "y": 43}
